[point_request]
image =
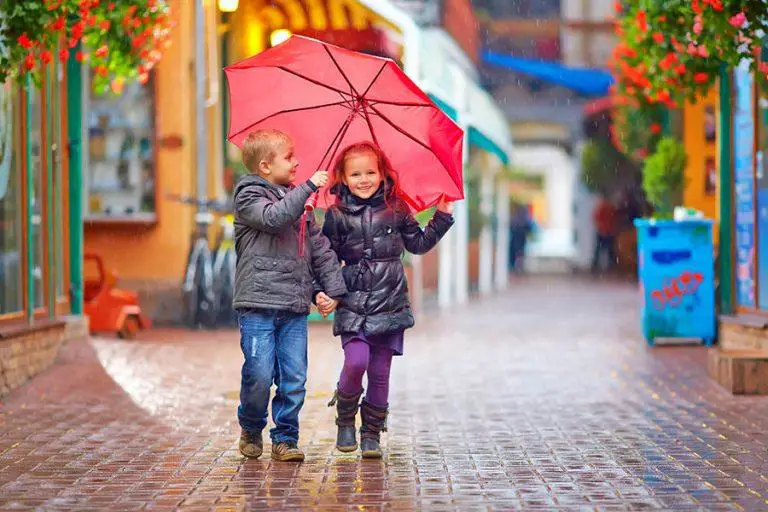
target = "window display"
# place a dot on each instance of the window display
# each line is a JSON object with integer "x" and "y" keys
{"x": 121, "y": 159}
{"x": 11, "y": 295}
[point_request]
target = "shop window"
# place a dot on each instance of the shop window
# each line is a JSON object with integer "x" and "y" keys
{"x": 36, "y": 195}
{"x": 56, "y": 145}
{"x": 121, "y": 156}
{"x": 11, "y": 294}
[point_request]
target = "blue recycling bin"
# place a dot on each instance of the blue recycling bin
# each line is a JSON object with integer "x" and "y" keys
{"x": 677, "y": 279}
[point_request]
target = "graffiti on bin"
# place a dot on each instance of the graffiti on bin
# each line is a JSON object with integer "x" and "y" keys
{"x": 670, "y": 257}
{"x": 673, "y": 291}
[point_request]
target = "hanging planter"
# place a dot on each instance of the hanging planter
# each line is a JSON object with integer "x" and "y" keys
{"x": 672, "y": 50}
{"x": 121, "y": 40}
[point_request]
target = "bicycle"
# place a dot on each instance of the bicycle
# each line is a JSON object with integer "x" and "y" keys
{"x": 209, "y": 280}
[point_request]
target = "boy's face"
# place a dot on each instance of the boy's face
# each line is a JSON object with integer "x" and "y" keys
{"x": 282, "y": 169}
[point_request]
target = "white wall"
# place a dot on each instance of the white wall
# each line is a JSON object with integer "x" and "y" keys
{"x": 555, "y": 240}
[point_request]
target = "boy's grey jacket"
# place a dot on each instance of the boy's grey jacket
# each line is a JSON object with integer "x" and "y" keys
{"x": 270, "y": 273}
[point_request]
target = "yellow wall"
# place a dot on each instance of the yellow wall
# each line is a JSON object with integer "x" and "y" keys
{"x": 157, "y": 252}
{"x": 699, "y": 150}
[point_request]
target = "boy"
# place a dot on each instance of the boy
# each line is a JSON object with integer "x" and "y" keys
{"x": 274, "y": 289}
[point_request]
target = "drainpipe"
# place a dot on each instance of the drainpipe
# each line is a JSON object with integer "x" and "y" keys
{"x": 75, "y": 133}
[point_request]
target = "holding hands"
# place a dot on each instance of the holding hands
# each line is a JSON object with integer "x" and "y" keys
{"x": 325, "y": 304}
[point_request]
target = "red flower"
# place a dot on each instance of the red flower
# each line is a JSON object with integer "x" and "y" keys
{"x": 663, "y": 19}
{"x": 46, "y": 57}
{"x": 143, "y": 78}
{"x": 24, "y": 41}
{"x": 681, "y": 69}
{"x": 738, "y": 20}
{"x": 664, "y": 95}
{"x": 655, "y": 128}
{"x": 668, "y": 61}
{"x": 111, "y": 6}
{"x": 701, "y": 78}
{"x": 658, "y": 37}
{"x": 77, "y": 29}
{"x": 63, "y": 55}
{"x": 72, "y": 42}
{"x": 102, "y": 52}
{"x": 617, "y": 7}
{"x": 642, "y": 20}
{"x": 29, "y": 62}
{"x": 105, "y": 25}
{"x": 696, "y": 7}
{"x": 102, "y": 71}
{"x": 59, "y": 24}
{"x": 79, "y": 56}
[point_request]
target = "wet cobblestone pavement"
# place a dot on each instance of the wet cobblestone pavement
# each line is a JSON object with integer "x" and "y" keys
{"x": 544, "y": 398}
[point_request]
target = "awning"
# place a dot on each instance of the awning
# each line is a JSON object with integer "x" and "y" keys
{"x": 475, "y": 136}
{"x": 585, "y": 81}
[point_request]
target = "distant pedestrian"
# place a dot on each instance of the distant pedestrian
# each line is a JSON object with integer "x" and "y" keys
{"x": 605, "y": 217}
{"x": 521, "y": 227}
{"x": 369, "y": 228}
{"x": 273, "y": 290}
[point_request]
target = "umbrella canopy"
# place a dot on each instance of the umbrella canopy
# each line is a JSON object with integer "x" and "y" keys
{"x": 327, "y": 98}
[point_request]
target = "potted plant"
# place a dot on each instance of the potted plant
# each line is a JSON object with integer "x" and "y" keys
{"x": 676, "y": 262}
{"x": 664, "y": 177}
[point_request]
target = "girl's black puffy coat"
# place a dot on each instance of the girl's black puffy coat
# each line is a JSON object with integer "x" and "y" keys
{"x": 369, "y": 236}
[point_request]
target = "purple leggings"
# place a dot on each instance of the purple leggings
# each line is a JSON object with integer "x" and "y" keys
{"x": 359, "y": 358}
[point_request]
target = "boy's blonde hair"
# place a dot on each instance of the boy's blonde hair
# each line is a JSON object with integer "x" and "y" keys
{"x": 262, "y": 145}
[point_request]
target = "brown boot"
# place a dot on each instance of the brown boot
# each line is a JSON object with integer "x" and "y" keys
{"x": 287, "y": 452}
{"x": 251, "y": 444}
{"x": 346, "y": 410}
{"x": 374, "y": 422}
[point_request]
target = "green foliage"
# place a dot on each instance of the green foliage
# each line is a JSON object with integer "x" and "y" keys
{"x": 672, "y": 50}
{"x": 603, "y": 168}
{"x": 664, "y": 177}
{"x": 122, "y": 40}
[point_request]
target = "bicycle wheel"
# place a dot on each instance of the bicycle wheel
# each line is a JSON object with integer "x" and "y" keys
{"x": 200, "y": 304}
{"x": 207, "y": 302}
{"x": 225, "y": 285}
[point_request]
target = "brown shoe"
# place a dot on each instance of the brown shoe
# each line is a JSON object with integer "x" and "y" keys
{"x": 251, "y": 444}
{"x": 287, "y": 452}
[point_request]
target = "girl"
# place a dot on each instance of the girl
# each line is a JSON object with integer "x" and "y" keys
{"x": 369, "y": 227}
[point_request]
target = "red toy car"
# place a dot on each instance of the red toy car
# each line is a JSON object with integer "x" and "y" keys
{"x": 108, "y": 308}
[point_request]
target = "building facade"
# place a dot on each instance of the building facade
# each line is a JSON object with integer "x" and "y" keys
{"x": 35, "y": 239}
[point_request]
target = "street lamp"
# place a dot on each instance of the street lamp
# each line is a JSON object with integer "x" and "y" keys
{"x": 228, "y": 5}
{"x": 279, "y": 36}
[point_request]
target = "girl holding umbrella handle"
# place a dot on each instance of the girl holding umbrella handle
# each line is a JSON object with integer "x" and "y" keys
{"x": 369, "y": 227}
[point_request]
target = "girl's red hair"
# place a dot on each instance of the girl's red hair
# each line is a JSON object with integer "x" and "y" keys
{"x": 388, "y": 174}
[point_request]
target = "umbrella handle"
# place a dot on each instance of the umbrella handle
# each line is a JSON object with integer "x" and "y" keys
{"x": 311, "y": 203}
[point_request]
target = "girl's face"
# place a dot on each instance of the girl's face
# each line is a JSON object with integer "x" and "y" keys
{"x": 361, "y": 174}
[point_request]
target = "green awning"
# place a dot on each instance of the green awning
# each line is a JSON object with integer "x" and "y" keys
{"x": 476, "y": 137}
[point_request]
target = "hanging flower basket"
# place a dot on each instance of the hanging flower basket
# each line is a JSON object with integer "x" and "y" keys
{"x": 672, "y": 50}
{"x": 121, "y": 39}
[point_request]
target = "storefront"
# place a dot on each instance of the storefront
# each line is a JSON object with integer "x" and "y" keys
{"x": 139, "y": 157}
{"x": 750, "y": 198}
{"x": 34, "y": 215}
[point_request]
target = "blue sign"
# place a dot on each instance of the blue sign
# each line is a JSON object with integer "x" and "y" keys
{"x": 762, "y": 229}
{"x": 744, "y": 180}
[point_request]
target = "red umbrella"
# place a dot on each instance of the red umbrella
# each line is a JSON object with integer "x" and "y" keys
{"x": 326, "y": 98}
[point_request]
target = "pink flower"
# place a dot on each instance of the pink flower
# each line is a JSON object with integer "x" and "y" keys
{"x": 738, "y": 20}
{"x": 698, "y": 25}
{"x": 703, "y": 51}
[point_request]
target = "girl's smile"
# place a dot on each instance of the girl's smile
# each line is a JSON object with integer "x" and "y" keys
{"x": 362, "y": 175}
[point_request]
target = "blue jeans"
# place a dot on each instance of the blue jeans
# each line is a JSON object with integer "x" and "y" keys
{"x": 274, "y": 344}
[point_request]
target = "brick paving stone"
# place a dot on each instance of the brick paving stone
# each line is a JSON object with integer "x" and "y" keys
{"x": 544, "y": 398}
